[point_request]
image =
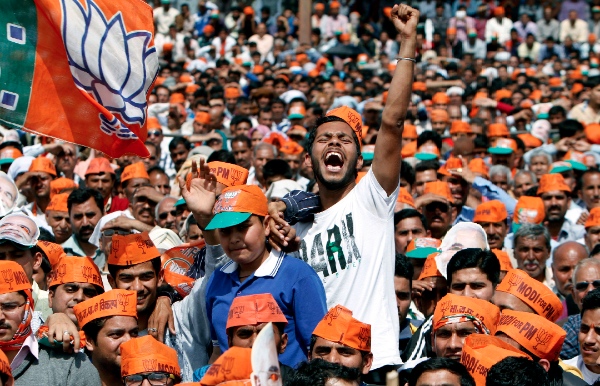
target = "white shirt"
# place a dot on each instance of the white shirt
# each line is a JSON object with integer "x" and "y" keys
{"x": 588, "y": 376}
{"x": 164, "y": 19}
{"x": 351, "y": 247}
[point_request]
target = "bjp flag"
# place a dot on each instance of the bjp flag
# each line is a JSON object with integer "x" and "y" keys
{"x": 78, "y": 70}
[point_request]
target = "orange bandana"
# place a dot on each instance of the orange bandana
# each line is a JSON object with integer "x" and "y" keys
{"x": 54, "y": 252}
{"x": 537, "y": 334}
{"x": 552, "y": 183}
{"x": 99, "y": 165}
{"x": 504, "y": 259}
{"x": 430, "y": 267}
{"x": 14, "y": 279}
{"x": 181, "y": 283}
{"x": 452, "y": 163}
{"x": 43, "y": 164}
{"x": 291, "y": 147}
{"x": 593, "y": 219}
{"x": 339, "y": 326}
{"x": 60, "y": 184}
{"x": 491, "y": 211}
{"x": 58, "y": 203}
{"x": 476, "y": 310}
{"x": 5, "y": 366}
{"x": 440, "y": 98}
{"x": 459, "y": 127}
{"x": 233, "y": 365}
{"x": 498, "y": 130}
{"x": 350, "y": 116}
{"x": 406, "y": 197}
{"x": 228, "y": 174}
{"x": 254, "y": 309}
{"x": 439, "y": 115}
{"x": 75, "y": 269}
{"x": 132, "y": 249}
{"x": 439, "y": 188}
{"x": 136, "y": 170}
{"x": 533, "y": 293}
{"x": 115, "y": 302}
{"x": 478, "y": 166}
{"x": 480, "y": 352}
{"x": 145, "y": 354}
{"x": 409, "y": 132}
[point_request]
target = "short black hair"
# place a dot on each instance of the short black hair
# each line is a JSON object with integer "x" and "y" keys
{"x": 434, "y": 364}
{"x": 591, "y": 301}
{"x": 242, "y": 138}
{"x": 407, "y": 172}
{"x": 404, "y": 268}
{"x": 156, "y": 169}
{"x": 113, "y": 269}
{"x": 517, "y": 371}
{"x": 81, "y": 195}
{"x": 557, "y": 110}
{"x": 427, "y": 165}
{"x": 222, "y": 156}
{"x": 318, "y": 371}
{"x": 239, "y": 119}
{"x": 93, "y": 327}
{"x": 409, "y": 213}
{"x": 277, "y": 167}
{"x": 569, "y": 127}
{"x": 429, "y": 135}
{"x": 483, "y": 259}
{"x": 176, "y": 141}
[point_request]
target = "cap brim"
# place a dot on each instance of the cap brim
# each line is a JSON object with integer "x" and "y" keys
{"x": 543, "y": 116}
{"x": 560, "y": 169}
{"x": 295, "y": 116}
{"x": 16, "y": 241}
{"x": 500, "y": 150}
{"x": 181, "y": 201}
{"x": 5, "y": 161}
{"x": 421, "y": 253}
{"x": 426, "y": 156}
{"x": 515, "y": 227}
{"x": 227, "y": 219}
{"x": 368, "y": 156}
{"x": 577, "y": 165}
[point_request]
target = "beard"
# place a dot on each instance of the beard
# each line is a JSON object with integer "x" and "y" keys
{"x": 346, "y": 179}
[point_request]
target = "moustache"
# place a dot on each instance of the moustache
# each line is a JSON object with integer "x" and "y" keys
{"x": 86, "y": 228}
{"x": 5, "y": 325}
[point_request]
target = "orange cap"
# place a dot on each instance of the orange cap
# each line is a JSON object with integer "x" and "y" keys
{"x": 54, "y": 252}
{"x": 477, "y": 165}
{"x": 430, "y": 267}
{"x": 319, "y": 7}
{"x": 254, "y": 309}
{"x": 132, "y": 249}
{"x": 5, "y": 365}
{"x": 177, "y": 98}
{"x": 115, "y": 302}
{"x": 428, "y": 148}
{"x": 529, "y": 210}
{"x": 499, "y": 11}
{"x": 526, "y": 104}
{"x": 168, "y": 47}
{"x": 339, "y": 326}
{"x": 185, "y": 78}
{"x": 536, "y": 95}
{"x": 99, "y": 165}
{"x": 13, "y": 277}
{"x": 297, "y": 112}
{"x": 554, "y": 82}
{"x": 419, "y": 86}
{"x": 387, "y": 12}
{"x": 276, "y": 139}
{"x": 451, "y": 31}
{"x": 135, "y": 170}
{"x": 531, "y": 141}
{"x": 405, "y": 197}
{"x": 439, "y": 115}
{"x": 532, "y": 292}
{"x": 191, "y": 88}
{"x": 145, "y": 354}
{"x": 409, "y": 150}
{"x": 490, "y": 211}
{"x": 460, "y": 127}
{"x": 593, "y": 219}
{"x": 233, "y": 365}
{"x": 236, "y": 204}
{"x": 592, "y": 133}
{"x": 498, "y": 130}
{"x": 248, "y": 10}
{"x": 503, "y": 146}
{"x": 536, "y": 334}
{"x": 410, "y": 131}
{"x": 439, "y": 188}
{"x": 334, "y": 4}
{"x": 202, "y": 117}
{"x": 258, "y": 69}
{"x": 552, "y": 182}
{"x": 440, "y": 98}
{"x": 575, "y": 75}
{"x": 75, "y": 269}
{"x": 58, "y": 203}
{"x": 228, "y": 174}
{"x": 153, "y": 123}
{"x": 501, "y": 94}
{"x": 10, "y": 153}
{"x": 452, "y": 305}
{"x": 340, "y": 86}
{"x": 60, "y": 184}
{"x": 232, "y": 92}
{"x": 42, "y": 164}
{"x": 576, "y": 88}
{"x": 291, "y": 147}
{"x": 451, "y": 164}
{"x": 350, "y": 116}
{"x": 504, "y": 259}
{"x": 480, "y": 352}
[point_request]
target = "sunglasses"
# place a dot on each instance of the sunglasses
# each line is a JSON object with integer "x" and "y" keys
{"x": 437, "y": 205}
{"x": 583, "y": 285}
{"x": 112, "y": 232}
{"x": 154, "y": 133}
{"x": 164, "y": 215}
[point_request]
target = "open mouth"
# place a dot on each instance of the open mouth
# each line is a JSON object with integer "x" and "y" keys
{"x": 334, "y": 161}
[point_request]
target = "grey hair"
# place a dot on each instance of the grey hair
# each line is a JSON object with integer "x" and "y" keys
{"x": 531, "y": 174}
{"x": 582, "y": 264}
{"x": 263, "y": 146}
{"x": 539, "y": 152}
{"x": 532, "y": 231}
{"x": 183, "y": 233}
{"x": 501, "y": 169}
{"x": 160, "y": 202}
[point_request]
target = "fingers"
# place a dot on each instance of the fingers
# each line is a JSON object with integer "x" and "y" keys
{"x": 159, "y": 332}
{"x": 76, "y": 342}
{"x": 172, "y": 324}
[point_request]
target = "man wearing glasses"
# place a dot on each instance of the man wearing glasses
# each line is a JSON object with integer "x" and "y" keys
{"x": 586, "y": 277}
{"x": 145, "y": 361}
{"x": 166, "y": 215}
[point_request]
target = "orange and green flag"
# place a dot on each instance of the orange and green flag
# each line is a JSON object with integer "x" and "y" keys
{"x": 78, "y": 70}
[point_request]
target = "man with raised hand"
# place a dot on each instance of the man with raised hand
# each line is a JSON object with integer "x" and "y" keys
{"x": 356, "y": 263}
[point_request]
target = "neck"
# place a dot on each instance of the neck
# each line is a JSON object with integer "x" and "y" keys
{"x": 593, "y": 368}
{"x": 89, "y": 249}
{"x": 68, "y": 173}
{"x": 110, "y": 379}
{"x": 554, "y": 227}
{"x": 330, "y": 197}
{"x": 248, "y": 269}
{"x": 42, "y": 202}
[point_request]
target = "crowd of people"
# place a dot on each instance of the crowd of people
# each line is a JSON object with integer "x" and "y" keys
{"x": 414, "y": 190}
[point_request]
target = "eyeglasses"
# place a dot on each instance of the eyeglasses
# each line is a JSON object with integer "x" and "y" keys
{"x": 437, "y": 205}
{"x": 112, "y": 232}
{"x": 155, "y": 379}
{"x": 8, "y": 308}
{"x": 154, "y": 133}
{"x": 583, "y": 285}
{"x": 164, "y": 215}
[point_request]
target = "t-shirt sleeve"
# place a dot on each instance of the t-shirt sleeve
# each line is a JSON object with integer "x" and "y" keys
{"x": 374, "y": 198}
{"x": 209, "y": 307}
{"x": 310, "y": 306}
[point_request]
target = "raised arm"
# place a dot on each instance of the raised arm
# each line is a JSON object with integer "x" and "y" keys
{"x": 386, "y": 162}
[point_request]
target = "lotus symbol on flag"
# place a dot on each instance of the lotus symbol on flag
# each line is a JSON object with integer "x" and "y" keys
{"x": 114, "y": 66}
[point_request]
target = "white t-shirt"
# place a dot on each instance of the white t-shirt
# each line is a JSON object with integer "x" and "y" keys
{"x": 351, "y": 247}
{"x": 588, "y": 376}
